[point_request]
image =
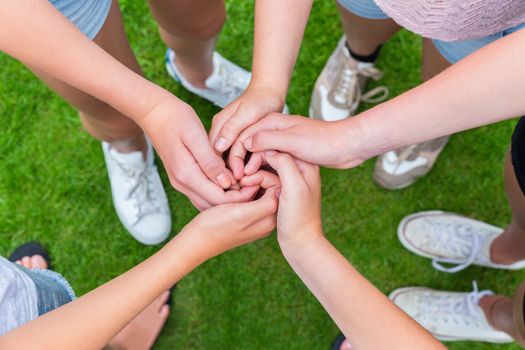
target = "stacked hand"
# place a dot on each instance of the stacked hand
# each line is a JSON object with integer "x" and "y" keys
{"x": 249, "y": 126}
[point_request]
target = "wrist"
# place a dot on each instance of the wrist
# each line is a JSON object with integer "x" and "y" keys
{"x": 193, "y": 245}
{"x": 296, "y": 246}
{"x": 359, "y": 139}
{"x": 165, "y": 106}
{"x": 276, "y": 91}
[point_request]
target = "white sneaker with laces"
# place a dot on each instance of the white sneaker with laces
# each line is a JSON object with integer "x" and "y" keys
{"x": 226, "y": 83}
{"x": 449, "y": 316}
{"x": 138, "y": 194}
{"x": 451, "y": 239}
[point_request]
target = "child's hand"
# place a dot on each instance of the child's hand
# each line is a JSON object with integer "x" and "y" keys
{"x": 230, "y": 225}
{"x": 255, "y": 103}
{"x": 299, "y": 213}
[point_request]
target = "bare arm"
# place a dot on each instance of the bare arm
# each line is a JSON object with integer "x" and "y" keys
{"x": 485, "y": 87}
{"x": 40, "y": 36}
{"x": 279, "y": 29}
{"x": 91, "y": 321}
{"x": 37, "y": 34}
{"x": 367, "y": 318}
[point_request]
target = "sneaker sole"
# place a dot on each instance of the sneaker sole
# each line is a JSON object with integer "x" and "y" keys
{"x": 386, "y": 186}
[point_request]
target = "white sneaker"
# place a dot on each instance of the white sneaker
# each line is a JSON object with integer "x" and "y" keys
{"x": 449, "y": 316}
{"x": 225, "y": 84}
{"x": 452, "y": 239}
{"x": 138, "y": 194}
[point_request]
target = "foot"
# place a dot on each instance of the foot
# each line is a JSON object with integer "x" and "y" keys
{"x": 449, "y": 316}
{"x": 339, "y": 89}
{"x": 33, "y": 262}
{"x": 452, "y": 239}
{"x": 142, "y": 332}
{"x": 226, "y": 83}
{"x": 138, "y": 195}
{"x": 401, "y": 168}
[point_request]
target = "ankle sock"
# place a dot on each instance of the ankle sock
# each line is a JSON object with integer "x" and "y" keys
{"x": 371, "y": 58}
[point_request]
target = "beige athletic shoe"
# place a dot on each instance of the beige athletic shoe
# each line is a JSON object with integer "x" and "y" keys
{"x": 401, "y": 168}
{"x": 339, "y": 88}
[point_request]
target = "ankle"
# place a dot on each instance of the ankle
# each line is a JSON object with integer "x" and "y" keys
{"x": 195, "y": 76}
{"x": 506, "y": 249}
{"x": 136, "y": 144}
{"x": 498, "y": 312}
{"x": 366, "y": 55}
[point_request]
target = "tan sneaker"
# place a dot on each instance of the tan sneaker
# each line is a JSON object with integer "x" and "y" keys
{"x": 339, "y": 88}
{"x": 401, "y": 168}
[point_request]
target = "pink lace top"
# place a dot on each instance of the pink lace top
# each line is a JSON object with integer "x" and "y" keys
{"x": 453, "y": 20}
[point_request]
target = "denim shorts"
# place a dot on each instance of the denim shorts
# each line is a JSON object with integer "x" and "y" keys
{"x": 27, "y": 294}
{"x": 52, "y": 290}
{"x": 452, "y": 51}
{"x": 87, "y": 15}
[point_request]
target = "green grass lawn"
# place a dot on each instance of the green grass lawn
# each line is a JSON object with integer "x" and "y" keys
{"x": 54, "y": 189}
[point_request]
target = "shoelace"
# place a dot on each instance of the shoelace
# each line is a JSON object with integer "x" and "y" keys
{"x": 455, "y": 237}
{"x": 348, "y": 86}
{"x": 454, "y": 305}
{"x": 140, "y": 190}
{"x": 406, "y": 153}
{"x": 233, "y": 85}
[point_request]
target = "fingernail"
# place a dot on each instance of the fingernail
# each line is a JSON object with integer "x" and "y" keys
{"x": 223, "y": 181}
{"x": 269, "y": 153}
{"x": 248, "y": 143}
{"x": 220, "y": 145}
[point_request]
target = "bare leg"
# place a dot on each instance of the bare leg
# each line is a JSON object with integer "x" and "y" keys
{"x": 510, "y": 246}
{"x": 190, "y": 28}
{"x": 99, "y": 119}
{"x": 365, "y": 35}
{"x": 498, "y": 311}
{"x": 142, "y": 332}
{"x": 433, "y": 63}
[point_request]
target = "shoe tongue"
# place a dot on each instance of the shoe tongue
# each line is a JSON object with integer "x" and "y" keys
{"x": 132, "y": 158}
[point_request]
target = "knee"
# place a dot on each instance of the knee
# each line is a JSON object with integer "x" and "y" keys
{"x": 202, "y": 30}
{"x": 110, "y": 127}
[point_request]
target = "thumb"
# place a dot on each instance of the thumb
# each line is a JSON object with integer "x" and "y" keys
{"x": 210, "y": 163}
{"x": 246, "y": 115}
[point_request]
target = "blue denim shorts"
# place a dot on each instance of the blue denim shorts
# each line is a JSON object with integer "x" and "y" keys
{"x": 87, "y": 15}
{"x": 52, "y": 289}
{"x": 452, "y": 51}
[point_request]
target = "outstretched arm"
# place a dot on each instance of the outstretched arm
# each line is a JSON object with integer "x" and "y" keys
{"x": 37, "y": 34}
{"x": 484, "y": 88}
{"x": 279, "y": 28}
{"x": 367, "y": 318}
{"x": 91, "y": 321}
